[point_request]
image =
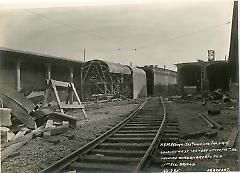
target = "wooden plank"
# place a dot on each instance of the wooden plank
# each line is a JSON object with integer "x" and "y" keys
{"x": 70, "y": 92}
{"x": 10, "y": 135}
{"x": 57, "y": 97}
{"x": 11, "y": 149}
{"x": 78, "y": 99}
{"x": 46, "y": 95}
{"x": 232, "y": 138}
{"x": 206, "y": 121}
{"x": 56, "y": 130}
{"x": 59, "y": 83}
{"x": 56, "y": 116}
{"x": 49, "y": 124}
{"x": 17, "y": 97}
{"x": 71, "y": 106}
{"x": 7, "y": 144}
{"x": 21, "y": 133}
{"x": 18, "y": 111}
{"x": 213, "y": 122}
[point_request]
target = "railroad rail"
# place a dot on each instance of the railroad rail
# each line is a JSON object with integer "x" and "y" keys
{"x": 124, "y": 148}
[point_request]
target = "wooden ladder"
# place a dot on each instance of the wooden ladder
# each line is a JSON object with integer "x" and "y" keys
{"x": 68, "y": 104}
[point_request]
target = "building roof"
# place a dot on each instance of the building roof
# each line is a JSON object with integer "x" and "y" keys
{"x": 39, "y": 55}
{"x": 155, "y": 68}
{"x": 200, "y": 62}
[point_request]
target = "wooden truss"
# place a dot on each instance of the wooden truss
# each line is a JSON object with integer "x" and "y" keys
{"x": 71, "y": 90}
{"x": 106, "y": 82}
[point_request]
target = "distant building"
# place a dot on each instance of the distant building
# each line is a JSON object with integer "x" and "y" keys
{"x": 204, "y": 75}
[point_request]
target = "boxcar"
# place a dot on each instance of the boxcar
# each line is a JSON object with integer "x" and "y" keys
{"x": 160, "y": 81}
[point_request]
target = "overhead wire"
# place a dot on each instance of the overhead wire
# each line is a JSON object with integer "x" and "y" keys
{"x": 124, "y": 47}
{"x": 184, "y": 35}
{"x": 73, "y": 27}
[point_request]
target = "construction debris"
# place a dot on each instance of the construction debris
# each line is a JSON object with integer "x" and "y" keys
{"x": 36, "y": 97}
{"x": 4, "y": 132}
{"x": 226, "y": 98}
{"x": 71, "y": 91}
{"x": 14, "y": 147}
{"x": 29, "y": 117}
{"x": 59, "y": 117}
{"x": 218, "y": 126}
{"x": 49, "y": 124}
{"x": 233, "y": 137}
{"x": 206, "y": 120}
{"x": 50, "y": 131}
{"x": 21, "y": 133}
{"x": 21, "y": 107}
{"x": 5, "y": 117}
{"x": 41, "y": 115}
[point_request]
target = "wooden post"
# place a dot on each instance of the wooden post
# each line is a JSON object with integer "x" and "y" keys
{"x": 49, "y": 71}
{"x": 48, "y": 90}
{"x": 81, "y": 85}
{"x": 71, "y": 81}
{"x": 18, "y": 75}
{"x": 84, "y": 54}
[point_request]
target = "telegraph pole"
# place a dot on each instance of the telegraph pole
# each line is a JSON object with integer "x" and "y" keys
{"x": 84, "y": 54}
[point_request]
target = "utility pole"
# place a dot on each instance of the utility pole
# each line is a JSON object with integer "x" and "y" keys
{"x": 84, "y": 54}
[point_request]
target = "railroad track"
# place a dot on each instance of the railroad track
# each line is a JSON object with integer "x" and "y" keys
{"x": 127, "y": 147}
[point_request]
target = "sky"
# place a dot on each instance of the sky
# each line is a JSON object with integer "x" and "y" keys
{"x": 143, "y": 32}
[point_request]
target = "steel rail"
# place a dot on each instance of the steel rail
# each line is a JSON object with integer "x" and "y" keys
{"x": 153, "y": 144}
{"x": 64, "y": 162}
{"x": 206, "y": 120}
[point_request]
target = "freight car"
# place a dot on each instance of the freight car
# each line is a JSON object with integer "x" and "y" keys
{"x": 160, "y": 81}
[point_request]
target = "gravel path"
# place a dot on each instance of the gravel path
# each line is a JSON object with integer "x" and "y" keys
{"x": 41, "y": 152}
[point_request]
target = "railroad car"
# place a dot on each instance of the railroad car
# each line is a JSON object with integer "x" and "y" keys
{"x": 160, "y": 81}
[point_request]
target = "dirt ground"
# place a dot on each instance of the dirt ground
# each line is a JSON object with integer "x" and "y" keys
{"x": 41, "y": 152}
{"x": 190, "y": 122}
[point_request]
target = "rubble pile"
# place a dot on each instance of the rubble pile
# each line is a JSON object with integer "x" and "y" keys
{"x": 213, "y": 104}
{"x": 22, "y": 120}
